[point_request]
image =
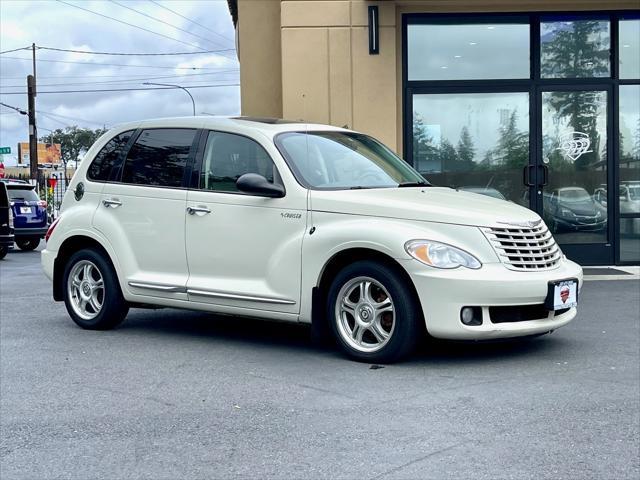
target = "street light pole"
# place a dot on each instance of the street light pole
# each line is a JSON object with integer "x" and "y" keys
{"x": 193, "y": 102}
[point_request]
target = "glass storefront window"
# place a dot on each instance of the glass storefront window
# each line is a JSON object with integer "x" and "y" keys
{"x": 574, "y": 149}
{"x": 468, "y": 51}
{"x": 571, "y": 48}
{"x": 629, "y": 171}
{"x": 473, "y": 141}
{"x": 629, "y": 48}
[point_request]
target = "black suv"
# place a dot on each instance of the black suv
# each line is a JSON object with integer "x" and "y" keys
{"x": 6, "y": 222}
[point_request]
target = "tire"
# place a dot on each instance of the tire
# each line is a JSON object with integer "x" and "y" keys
{"x": 388, "y": 316}
{"x": 92, "y": 304}
{"x": 3, "y": 252}
{"x": 28, "y": 244}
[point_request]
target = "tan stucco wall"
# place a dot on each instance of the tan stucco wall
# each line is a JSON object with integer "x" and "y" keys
{"x": 309, "y": 59}
{"x": 260, "y": 57}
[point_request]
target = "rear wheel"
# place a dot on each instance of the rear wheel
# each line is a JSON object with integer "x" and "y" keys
{"x": 92, "y": 294}
{"x": 3, "y": 252}
{"x": 373, "y": 313}
{"x": 28, "y": 244}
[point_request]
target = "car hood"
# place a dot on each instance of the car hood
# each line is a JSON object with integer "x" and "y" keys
{"x": 586, "y": 208}
{"x": 430, "y": 204}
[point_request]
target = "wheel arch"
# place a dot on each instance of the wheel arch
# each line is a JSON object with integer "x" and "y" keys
{"x": 70, "y": 246}
{"x": 339, "y": 261}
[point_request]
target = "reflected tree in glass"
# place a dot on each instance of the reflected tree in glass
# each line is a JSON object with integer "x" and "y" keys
{"x": 575, "y": 49}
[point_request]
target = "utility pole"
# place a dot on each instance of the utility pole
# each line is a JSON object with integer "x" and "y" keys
{"x": 33, "y": 57}
{"x": 33, "y": 133}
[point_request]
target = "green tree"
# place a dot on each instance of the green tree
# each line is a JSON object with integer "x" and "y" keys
{"x": 580, "y": 51}
{"x": 74, "y": 141}
{"x": 423, "y": 149}
{"x": 448, "y": 157}
{"x": 466, "y": 150}
{"x": 512, "y": 150}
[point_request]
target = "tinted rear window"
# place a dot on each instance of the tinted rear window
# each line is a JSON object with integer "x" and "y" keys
{"x": 26, "y": 194}
{"x": 106, "y": 161}
{"x": 159, "y": 157}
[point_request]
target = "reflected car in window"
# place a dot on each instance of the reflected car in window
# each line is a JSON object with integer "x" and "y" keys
{"x": 573, "y": 209}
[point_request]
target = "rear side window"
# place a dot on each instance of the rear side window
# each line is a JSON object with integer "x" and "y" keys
{"x": 227, "y": 157}
{"x": 26, "y": 194}
{"x": 159, "y": 157}
{"x": 107, "y": 159}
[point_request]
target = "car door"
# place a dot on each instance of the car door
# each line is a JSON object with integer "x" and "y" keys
{"x": 243, "y": 251}
{"x": 142, "y": 215}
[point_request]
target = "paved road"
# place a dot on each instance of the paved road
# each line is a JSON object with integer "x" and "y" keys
{"x": 175, "y": 394}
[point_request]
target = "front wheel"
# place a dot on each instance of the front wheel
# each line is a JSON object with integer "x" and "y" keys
{"x": 92, "y": 294}
{"x": 28, "y": 244}
{"x": 373, "y": 313}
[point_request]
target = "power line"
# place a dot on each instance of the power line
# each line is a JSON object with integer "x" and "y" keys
{"x": 161, "y": 21}
{"x": 110, "y": 64}
{"x": 193, "y": 21}
{"x": 123, "y": 89}
{"x": 15, "y": 50}
{"x": 132, "y": 77}
{"x": 19, "y": 110}
{"x": 130, "y": 24}
{"x": 126, "y": 80}
{"x": 68, "y": 118}
{"x": 128, "y": 54}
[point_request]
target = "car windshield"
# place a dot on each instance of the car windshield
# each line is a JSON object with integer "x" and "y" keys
{"x": 26, "y": 194}
{"x": 575, "y": 195}
{"x": 344, "y": 160}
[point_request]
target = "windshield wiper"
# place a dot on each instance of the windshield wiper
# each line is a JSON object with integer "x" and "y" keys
{"x": 421, "y": 183}
{"x": 359, "y": 187}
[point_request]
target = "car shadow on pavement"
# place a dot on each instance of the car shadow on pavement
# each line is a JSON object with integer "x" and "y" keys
{"x": 296, "y": 338}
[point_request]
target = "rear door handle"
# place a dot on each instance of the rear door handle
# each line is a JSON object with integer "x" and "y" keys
{"x": 111, "y": 203}
{"x": 199, "y": 210}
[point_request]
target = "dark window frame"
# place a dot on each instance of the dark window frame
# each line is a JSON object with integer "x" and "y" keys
{"x": 534, "y": 85}
{"x": 192, "y": 181}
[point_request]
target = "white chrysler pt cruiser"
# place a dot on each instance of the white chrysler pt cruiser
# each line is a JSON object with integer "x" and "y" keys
{"x": 303, "y": 223}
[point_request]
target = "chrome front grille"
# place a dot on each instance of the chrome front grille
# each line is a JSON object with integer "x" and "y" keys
{"x": 524, "y": 248}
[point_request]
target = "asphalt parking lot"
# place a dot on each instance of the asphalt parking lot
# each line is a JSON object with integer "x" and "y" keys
{"x": 176, "y": 394}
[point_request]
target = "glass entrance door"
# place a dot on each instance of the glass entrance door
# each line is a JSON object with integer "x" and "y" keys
{"x": 572, "y": 181}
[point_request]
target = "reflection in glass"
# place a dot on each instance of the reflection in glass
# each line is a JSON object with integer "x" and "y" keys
{"x": 574, "y": 148}
{"x": 629, "y": 49}
{"x": 473, "y": 141}
{"x": 467, "y": 51}
{"x": 629, "y": 168}
{"x": 574, "y": 48}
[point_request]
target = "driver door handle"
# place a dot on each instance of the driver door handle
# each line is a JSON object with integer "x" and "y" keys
{"x": 111, "y": 202}
{"x": 200, "y": 210}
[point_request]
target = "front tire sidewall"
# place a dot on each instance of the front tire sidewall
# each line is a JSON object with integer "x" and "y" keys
{"x": 114, "y": 308}
{"x": 408, "y": 316}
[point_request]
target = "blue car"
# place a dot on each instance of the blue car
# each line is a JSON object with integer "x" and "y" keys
{"x": 29, "y": 214}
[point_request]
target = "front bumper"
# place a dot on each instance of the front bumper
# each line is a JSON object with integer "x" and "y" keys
{"x": 39, "y": 232}
{"x": 443, "y": 293}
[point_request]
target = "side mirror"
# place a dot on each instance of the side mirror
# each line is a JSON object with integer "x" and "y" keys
{"x": 258, "y": 185}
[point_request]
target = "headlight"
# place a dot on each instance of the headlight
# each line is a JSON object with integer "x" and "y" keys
{"x": 440, "y": 255}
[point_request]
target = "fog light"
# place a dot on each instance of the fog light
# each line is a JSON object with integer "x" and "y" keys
{"x": 471, "y": 316}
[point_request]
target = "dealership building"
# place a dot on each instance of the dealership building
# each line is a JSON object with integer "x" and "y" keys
{"x": 533, "y": 101}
